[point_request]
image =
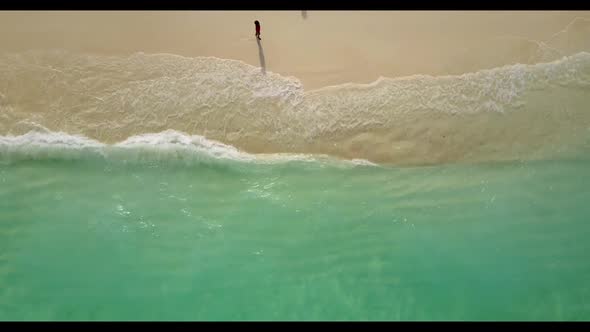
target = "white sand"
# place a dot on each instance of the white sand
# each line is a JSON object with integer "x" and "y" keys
{"x": 326, "y": 48}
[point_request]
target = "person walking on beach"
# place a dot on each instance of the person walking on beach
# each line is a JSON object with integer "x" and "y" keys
{"x": 257, "y": 24}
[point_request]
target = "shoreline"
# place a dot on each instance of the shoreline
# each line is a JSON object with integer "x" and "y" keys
{"x": 325, "y": 48}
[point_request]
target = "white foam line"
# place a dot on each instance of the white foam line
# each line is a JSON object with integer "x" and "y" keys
{"x": 163, "y": 145}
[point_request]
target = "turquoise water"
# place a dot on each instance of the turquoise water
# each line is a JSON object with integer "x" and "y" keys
{"x": 103, "y": 240}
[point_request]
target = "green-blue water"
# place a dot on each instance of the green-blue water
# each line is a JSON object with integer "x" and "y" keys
{"x": 96, "y": 240}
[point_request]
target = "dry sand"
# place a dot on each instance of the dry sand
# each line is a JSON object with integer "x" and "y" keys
{"x": 323, "y": 48}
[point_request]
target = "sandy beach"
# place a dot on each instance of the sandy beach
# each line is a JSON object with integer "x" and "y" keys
{"x": 388, "y": 87}
{"x": 318, "y": 47}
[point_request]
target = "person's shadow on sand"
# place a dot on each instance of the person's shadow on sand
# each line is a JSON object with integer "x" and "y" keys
{"x": 261, "y": 57}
